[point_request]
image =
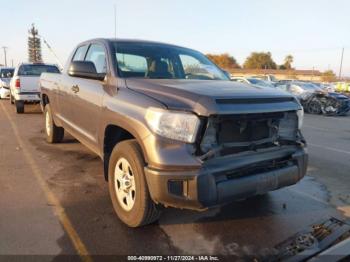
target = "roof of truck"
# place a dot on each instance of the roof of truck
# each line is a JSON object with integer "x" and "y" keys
{"x": 126, "y": 40}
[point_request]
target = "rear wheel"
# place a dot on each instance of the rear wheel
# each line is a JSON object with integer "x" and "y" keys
{"x": 127, "y": 185}
{"x": 19, "y": 106}
{"x": 54, "y": 134}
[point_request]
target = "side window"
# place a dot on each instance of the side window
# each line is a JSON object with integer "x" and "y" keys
{"x": 80, "y": 53}
{"x": 132, "y": 63}
{"x": 97, "y": 55}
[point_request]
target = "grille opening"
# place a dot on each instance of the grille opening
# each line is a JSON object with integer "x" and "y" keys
{"x": 243, "y": 130}
{"x": 231, "y": 134}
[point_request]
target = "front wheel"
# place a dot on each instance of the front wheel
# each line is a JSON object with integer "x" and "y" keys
{"x": 54, "y": 134}
{"x": 314, "y": 107}
{"x": 127, "y": 185}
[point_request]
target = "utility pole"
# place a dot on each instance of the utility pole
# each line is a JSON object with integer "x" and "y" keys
{"x": 5, "y": 48}
{"x": 115, "y": 21}
{"x": 341, "y": 63}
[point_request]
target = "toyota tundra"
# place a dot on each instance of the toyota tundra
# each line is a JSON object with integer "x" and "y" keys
{"x": 171, "y": 128}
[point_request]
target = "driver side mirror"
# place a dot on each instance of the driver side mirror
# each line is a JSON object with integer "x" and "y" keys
{"x": 85, "y": 69}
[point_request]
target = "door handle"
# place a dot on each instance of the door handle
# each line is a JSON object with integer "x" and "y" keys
{"x": 75, "y": 89}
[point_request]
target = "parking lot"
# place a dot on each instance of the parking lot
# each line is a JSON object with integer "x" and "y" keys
{"x": 55, "y": 201}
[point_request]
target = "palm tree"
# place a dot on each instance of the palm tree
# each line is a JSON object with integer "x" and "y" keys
{"x": 288, "y": 61}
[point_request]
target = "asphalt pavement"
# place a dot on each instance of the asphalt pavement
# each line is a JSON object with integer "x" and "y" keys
{"x": 54, "y": 200}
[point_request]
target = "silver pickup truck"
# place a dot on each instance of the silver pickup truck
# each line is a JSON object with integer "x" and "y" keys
{"x": 171, "y": 128}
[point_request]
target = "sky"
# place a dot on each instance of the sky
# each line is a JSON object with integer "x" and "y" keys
{"x": 313, "y": 31}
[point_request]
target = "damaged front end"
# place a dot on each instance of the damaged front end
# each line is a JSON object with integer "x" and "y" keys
{"x": 325, "y": 103}
{"x": 241, "y": 154}
{"x": 233, "y": 134}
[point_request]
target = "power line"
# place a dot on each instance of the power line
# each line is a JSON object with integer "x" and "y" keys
{"x": 53, "y": 52}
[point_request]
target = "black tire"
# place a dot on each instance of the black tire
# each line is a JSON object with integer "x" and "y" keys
{"x": 144, "y": 211}
{"x": 55, "y": 134}
{"x": 19, "y": 106}
{"x": 11, "y": 99}
{"x": 314, "y": 107}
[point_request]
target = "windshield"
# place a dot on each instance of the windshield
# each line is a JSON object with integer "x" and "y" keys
{"x": 273, "y": 78}
{"x": 157, "y": 61}
{"x": 36, "y": 70}
{"x": 259, "y": 82}
{"x": 308, "y": 86}
{"x": 6, "y": 72}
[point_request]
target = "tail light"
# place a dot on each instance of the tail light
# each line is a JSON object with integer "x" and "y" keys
{"x": 18, "y": 83}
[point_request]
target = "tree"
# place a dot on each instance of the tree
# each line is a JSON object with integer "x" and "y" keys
{"x": 288, "y": 62}
{"x": 328, "y": 76}
{"x": 34, "y": 46}
{"x": 259, "y": 60}
{"x": 224, "y": 61}
{"x": 282, "y": 67}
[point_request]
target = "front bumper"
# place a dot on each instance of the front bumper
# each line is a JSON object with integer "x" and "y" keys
{"x": 28, "y": 96}
{"x": 217, "y": 181}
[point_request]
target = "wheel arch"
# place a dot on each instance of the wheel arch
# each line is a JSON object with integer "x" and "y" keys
{"x": 114, "y": 134}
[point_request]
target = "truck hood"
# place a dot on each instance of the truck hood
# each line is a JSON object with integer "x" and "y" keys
{"x": 210, "y": 97}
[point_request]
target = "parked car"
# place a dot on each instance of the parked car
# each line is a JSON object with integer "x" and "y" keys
{"x": 269, "y": 78}
{"x": 342, "y": 87}
{"x": 316, "y": 100}
{"x": 299, "y": 87}
{"x": 253, "y": 81}
{"x": 170, "y": 127}
{"x": 24, "y": 86}
{"x": 6, "y": 74}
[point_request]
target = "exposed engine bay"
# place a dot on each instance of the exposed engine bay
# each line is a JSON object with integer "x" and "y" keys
{"x": 231, "y": 134}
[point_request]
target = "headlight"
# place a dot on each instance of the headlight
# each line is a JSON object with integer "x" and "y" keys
{"x": 300, "y": 114}
{"x": 174, "y": 125}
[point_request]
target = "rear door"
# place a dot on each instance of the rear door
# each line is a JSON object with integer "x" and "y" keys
{"x": 65, "y": 93}
{"x": 87, "y": 101}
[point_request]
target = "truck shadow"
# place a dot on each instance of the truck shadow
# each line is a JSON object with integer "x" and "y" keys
{"x": 33, "y": 109}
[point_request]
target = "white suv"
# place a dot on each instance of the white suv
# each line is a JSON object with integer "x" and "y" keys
{"x": 24, "y": 86}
